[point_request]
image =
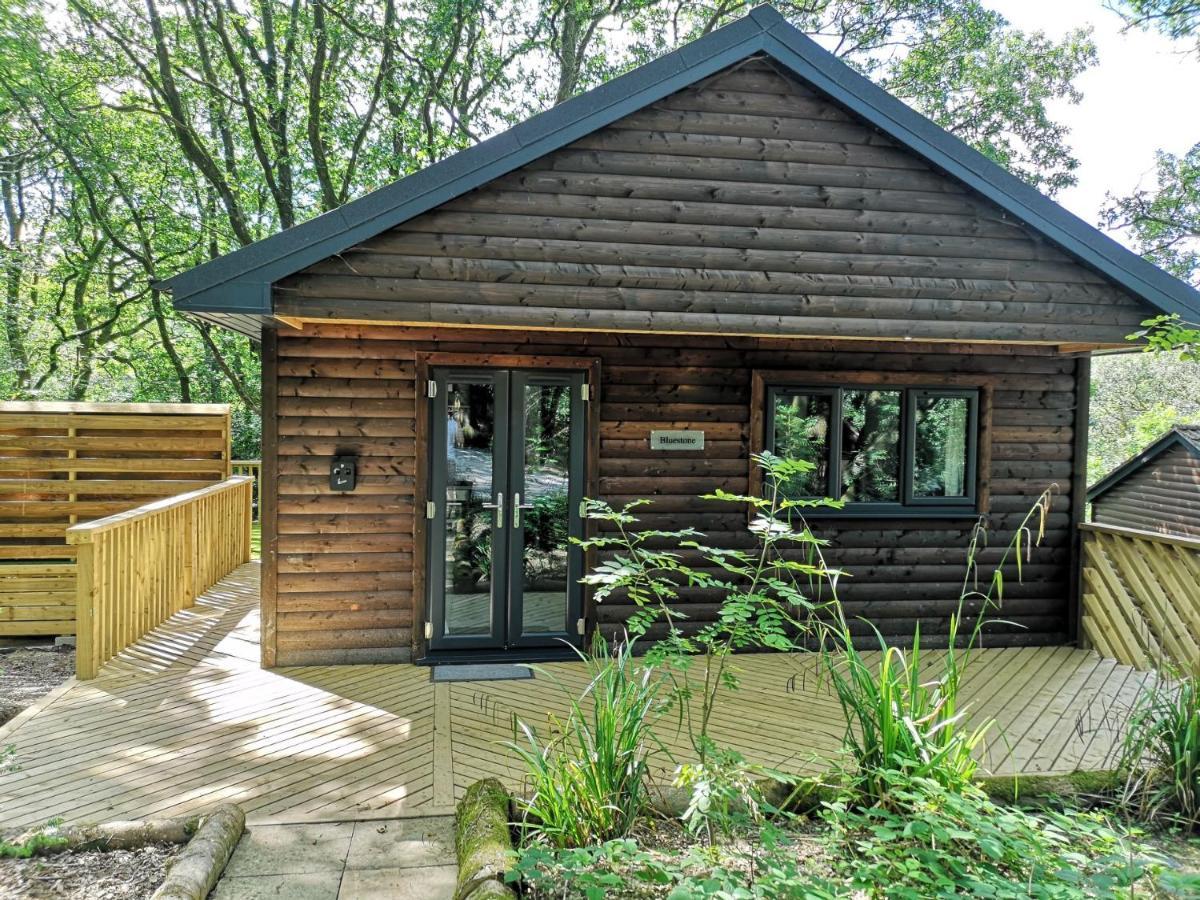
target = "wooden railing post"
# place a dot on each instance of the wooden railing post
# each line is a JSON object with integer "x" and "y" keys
{"x": 247, "y": 511}
{"x": 191, "y": 544}
{"x": 86, "y": 663}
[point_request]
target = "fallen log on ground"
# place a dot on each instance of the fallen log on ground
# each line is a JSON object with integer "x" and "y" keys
{"x": 49, "y": 839}
{"x": 483, "y": 842}
{"x": 195, "y": 871}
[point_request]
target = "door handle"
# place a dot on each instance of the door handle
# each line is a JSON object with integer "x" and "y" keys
{"x": 498, "y": 506}
{"x": 517, "y": 507}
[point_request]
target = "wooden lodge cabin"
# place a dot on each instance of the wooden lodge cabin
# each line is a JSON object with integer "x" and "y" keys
{"x": 1158, "y": 489}
{"x": 742, "y": 245}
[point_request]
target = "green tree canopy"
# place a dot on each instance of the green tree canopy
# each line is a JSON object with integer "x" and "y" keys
{"x": 139, "y": 138}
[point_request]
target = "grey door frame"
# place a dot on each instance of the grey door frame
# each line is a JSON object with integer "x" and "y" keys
{"x": 508, "y": 474}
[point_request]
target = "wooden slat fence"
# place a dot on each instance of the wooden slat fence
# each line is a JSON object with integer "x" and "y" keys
{"x": 1141, "y": 596}
{"x": 66, "y": 463}
{"x": 138, "y": 568}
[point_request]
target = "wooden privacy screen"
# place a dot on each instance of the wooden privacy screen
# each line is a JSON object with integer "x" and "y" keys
{"x": 1141, "y": 596}
{"x": 66, "y": 463}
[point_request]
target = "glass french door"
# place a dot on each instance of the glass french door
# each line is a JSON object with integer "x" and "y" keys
{"x": 506, "y": 482}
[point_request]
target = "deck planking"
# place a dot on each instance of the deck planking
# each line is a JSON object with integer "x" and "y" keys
{"x": 185, "y": 719}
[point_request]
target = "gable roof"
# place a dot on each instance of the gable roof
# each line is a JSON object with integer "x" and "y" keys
{"x": 1185, "y": 436}
{"x": 235, "y": 290}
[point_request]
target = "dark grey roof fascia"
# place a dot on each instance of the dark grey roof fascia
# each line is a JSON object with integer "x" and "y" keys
{"x": 1176, "y": 437}
{"x": 230, "y": 282}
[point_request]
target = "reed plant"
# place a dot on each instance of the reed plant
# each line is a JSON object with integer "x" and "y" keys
{"x": 587, "y": 779}
{"x": 1160, "y": 753}
{"x": 905, "y": 719}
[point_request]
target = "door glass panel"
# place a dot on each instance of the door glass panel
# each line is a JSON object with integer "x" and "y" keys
{"x": 871, "y": 446}
{"x": 942, "y": 425}
{"x": 546, "y": 460}
{"x": 470, "y": 469}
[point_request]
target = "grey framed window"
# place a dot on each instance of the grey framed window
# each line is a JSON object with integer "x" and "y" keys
{"x": 884, "y": 450}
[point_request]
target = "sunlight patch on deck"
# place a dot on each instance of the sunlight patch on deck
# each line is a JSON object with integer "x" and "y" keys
{"x": 185, "y": 719}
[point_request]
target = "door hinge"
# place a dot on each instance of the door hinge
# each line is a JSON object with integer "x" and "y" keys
{"x": 428, "y": 631}
{"x": 580, "y": 626}
{"x": 430, "y": 509}
{"x": 585, "y": 392}
{"x": 431, "y": 388}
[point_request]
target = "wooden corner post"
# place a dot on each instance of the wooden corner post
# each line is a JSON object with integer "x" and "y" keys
{"x": 1079, "y": 466}
{"x": 268, "y": 498}
{"x": 85, "y": 611}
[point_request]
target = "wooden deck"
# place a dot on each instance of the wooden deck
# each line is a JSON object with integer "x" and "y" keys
{"x": 186, "y": 718}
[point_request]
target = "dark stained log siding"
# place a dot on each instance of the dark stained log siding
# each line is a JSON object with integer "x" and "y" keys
{"x": 345, "y": 561}
{"x": 745, "y": 204}
{"x": 1163, "y": 496}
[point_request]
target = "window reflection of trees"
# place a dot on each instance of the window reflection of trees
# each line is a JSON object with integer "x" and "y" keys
{"x": 870, "y": 458}
{"x": 547, "y": 466}
{"x": 871, "y": 445}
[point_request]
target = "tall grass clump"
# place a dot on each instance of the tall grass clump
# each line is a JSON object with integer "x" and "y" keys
{"x": 1160, "y": 753}
{"x": 904, "y": 716}
{"x": 587, "y": 780}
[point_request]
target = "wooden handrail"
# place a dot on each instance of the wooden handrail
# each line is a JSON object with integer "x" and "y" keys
{"x": 1175, "y": 540}
{"x": 87, "y": 531}
{"x": 136, "y": 569}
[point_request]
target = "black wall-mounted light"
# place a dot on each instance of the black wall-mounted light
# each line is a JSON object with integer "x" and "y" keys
{"x": 343, "y": 473}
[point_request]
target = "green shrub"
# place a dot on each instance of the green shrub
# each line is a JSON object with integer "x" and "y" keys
{"x": 936, "y": 842}
{"x": 1160, "y": 753}
{"x": 588, "y": 778}
{"x": 766, "y": 601}
{"x": 34, "y": 844}
{"x": 946, "y": 844}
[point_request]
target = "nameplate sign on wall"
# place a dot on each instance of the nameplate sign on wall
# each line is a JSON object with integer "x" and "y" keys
{"x": 676, "y": 440}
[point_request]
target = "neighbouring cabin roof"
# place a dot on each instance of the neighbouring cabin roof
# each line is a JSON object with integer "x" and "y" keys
{"x": 1185, "y": 437}
{"x": 235, "y": 290}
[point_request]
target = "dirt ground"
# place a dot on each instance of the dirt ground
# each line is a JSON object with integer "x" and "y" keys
{"x": 114, "y": 875}
{"x": 26, "y": 673}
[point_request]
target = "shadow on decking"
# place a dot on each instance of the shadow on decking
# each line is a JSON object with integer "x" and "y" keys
{"x": 186, "y": 719}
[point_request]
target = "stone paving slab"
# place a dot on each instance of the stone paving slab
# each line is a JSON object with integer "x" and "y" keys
{"x": 393, "y": 859}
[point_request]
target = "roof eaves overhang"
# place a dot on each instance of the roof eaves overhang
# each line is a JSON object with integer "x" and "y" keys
{"x": 240, "y": 282}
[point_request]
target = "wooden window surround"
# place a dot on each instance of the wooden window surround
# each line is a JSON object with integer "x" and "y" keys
{"x": 763, "y": 380}
{"x": 428, "y": 360}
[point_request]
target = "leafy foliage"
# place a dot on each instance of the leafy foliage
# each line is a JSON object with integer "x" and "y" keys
{"x": 991, "y": 88}
{"x": 38, "y": 842}
{"x": 948, "y": 843}
{"x": 138, "y": 139}
{"x": 1136, "y": 397}
{"x": 1160, "y": 754}
{"x": 764, "y": 599}
{"x": 1174, "y": 18}
{"x": 1165, "y": 219}
{"x": 588, "y": 779}
{"x": 935, "y": 841}
{"x": 908, "y": 820}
